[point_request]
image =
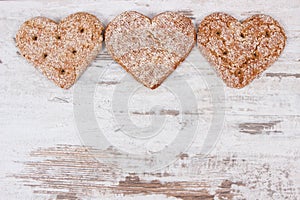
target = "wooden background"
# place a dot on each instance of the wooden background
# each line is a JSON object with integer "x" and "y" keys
{"x": 256, "y": 155}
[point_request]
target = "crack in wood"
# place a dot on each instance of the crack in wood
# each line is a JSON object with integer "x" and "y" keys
{"x": 259, "y": 128}
{"x": 108, "y": 82}
{"x": 161, "y": 112}
{"x": 183, "y": 156}
{"x": 179, "y": 189}
{"x": 166, "y": 112}
{"x": 141, "y": 4}
{"x": 282, "y": 75}
{"x": 169, "y": 112}
{"x": 250, "y": 13}
{"x": 187, "y": 13}
{"x": 225, "y": 191}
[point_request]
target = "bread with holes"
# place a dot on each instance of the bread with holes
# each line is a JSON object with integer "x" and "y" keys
{"x": 240, "y": 51}
{"x": 61, "y": 51}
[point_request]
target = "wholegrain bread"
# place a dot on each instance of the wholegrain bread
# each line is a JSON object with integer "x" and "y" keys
{"x": 150, "y": 50}
{"x": 61, "y": 51}
{"x": 240, "y": 52}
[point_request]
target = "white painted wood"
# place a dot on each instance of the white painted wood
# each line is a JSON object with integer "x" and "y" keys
{"x": 255, "y": 157}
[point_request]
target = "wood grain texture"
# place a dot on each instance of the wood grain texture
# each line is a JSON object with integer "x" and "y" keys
{"x": 257, "y": 156}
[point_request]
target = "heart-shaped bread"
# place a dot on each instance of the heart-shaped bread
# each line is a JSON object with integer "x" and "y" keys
{"x": 150, "y": 50}
{"x": 61, "y": 51}
{"x": 240, "y": 51}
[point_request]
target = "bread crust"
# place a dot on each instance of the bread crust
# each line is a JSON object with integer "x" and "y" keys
{"x": 61, "y": 51}
{"x": 240, "y": 51}
{"x": 150, "y": 49}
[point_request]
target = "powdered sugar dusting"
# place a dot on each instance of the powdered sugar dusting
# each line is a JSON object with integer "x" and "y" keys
{"x": 240, "y": 51}
{"x": 150, "y": 49}
{"x": 61, "y": 51}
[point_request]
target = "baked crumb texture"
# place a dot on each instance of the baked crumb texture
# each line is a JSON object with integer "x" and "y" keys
{"x": 61, "y": 51}
{"x": 150, "y": 50}
{"x": 240, "y": 51}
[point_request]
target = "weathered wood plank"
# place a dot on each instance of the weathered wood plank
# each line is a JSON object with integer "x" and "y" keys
{"x": 256, "y": 155}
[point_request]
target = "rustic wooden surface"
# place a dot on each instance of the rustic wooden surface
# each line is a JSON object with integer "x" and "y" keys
{"x": 256, "y": 156}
